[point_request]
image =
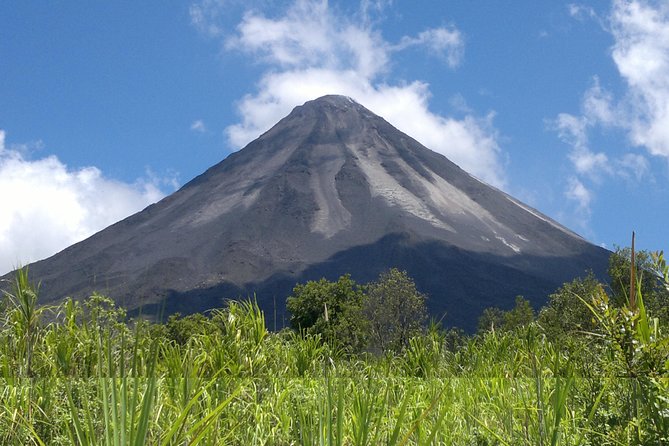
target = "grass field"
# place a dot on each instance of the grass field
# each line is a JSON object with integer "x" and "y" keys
{"x": 90, "y": 377}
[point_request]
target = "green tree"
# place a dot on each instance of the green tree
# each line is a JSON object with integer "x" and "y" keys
{"x": 566, "y": 313}
{"x": 331, "y": 309}
{"x": 519, "y": 316}
{"x": 181, "y": 328}
{"x": 395, "y": 310}
{"x": 619, "y": 273}
{"x": 494, "y": 318}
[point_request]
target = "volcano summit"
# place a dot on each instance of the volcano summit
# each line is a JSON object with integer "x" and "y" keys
{"x": 330, "y": 189}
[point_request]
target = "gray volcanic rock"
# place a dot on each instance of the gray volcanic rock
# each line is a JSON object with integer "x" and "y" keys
{"x": 331, "y": 189}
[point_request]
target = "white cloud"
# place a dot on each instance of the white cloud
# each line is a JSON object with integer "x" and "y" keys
{"x": 573, "y": 130}
{"x": 445, "y": 43}
{"x": 308, "y": 35}
{"x": 310, "y": 52}
{"x": 633, "y": 166}
{"x": 641, "y": 53}
{"x": 587, "y": 162}
{"x": 46, "y": 206}
{"x": 580, "y": 199}
{"x": 198, "y": 126}
{"x": 578, "y": 192}
{"x": 598, "y": 106}
{"x": 370, "y": 8}
{"x": 581, "y": 12}
{"x": 640, "y": 30}
{"x": 597, "y": 111}
{"x": 204, "y": 16}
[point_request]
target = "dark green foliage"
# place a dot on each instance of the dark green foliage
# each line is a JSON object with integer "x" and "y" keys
{"x": 454, "y": 339}
{"x": 520, "y": 316}
{"x": 395, "y": 310}
{"x": 181, "y": 329}
{"x": 383, "y": 316}
{"x": 566, "y": 313}
{"x": 332, "y": 310}
{"x": 494, "y": 318}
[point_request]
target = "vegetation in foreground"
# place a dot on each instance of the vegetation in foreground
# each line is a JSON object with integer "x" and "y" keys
{"x": 591, "y": 369}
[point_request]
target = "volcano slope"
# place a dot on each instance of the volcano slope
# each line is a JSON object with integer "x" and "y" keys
{"x": 330, "y": 189}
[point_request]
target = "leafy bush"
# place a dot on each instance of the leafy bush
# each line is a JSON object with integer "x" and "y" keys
{"x": 332, "y": 310}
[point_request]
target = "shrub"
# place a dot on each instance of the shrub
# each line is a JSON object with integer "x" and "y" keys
{"x": 332, "y": 310}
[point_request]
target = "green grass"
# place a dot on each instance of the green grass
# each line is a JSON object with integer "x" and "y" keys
{"x": 88, "y": 377}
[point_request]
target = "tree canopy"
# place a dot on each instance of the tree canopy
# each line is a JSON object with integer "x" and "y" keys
{"x": 395, "y": 310}
{"x": 382, "y": 316}
{"x": 332, "y": 309}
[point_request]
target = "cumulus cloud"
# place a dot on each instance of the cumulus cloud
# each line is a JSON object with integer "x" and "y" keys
{"x": 310, "y": 51}
{"x": 47, "y": 206}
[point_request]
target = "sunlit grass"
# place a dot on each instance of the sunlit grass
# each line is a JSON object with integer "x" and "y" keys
{"x": 89, "y": 377}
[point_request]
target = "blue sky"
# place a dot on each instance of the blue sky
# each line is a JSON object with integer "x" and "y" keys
{"x": 106, "y": 107}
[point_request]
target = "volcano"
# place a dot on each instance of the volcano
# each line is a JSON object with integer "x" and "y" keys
{"x": 331, "y": 189}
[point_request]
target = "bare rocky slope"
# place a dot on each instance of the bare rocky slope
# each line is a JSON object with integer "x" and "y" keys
{"x": 330, "y": 189}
